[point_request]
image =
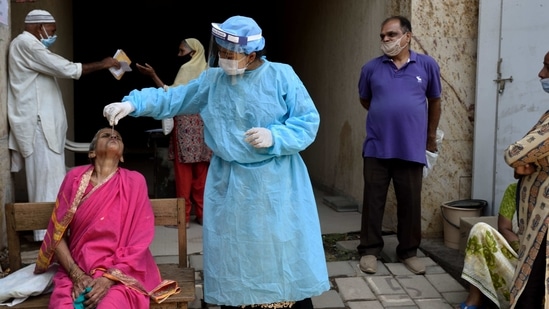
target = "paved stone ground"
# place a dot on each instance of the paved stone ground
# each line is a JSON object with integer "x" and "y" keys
{"x": 393, "y": 286}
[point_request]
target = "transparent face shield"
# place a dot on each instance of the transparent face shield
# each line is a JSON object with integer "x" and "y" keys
{"x": 229, "y": 51}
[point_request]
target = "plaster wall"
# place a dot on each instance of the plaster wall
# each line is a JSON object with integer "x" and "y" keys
{"x": 334, "y": 40}
{"x": 6, "y": 184}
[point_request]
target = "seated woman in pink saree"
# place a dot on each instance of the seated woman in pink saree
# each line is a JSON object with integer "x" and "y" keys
{"x": 100, "y": 232}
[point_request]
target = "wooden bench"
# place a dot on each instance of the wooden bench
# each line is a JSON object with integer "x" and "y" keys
{"x": 22, "y": 217}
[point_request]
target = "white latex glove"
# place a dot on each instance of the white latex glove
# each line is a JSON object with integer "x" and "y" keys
{"x": 167, "y": 125}
{"x": 116, "y": 111}
{"x": 259, "y": 137}
{"x": 431, "y": 158}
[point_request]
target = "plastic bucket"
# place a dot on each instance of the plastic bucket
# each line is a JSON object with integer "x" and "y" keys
{"x": 452, "y": 212}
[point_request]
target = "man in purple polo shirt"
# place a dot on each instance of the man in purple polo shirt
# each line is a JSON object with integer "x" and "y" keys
{"x": 401, "y": 92}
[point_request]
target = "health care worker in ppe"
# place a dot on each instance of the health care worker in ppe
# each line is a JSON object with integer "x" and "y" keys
{"x": 262, "y": 238}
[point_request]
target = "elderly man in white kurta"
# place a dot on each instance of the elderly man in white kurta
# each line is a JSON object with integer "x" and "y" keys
{"x": 38, "y": 123}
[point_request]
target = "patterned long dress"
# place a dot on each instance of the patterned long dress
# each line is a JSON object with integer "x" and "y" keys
{"x": 490, "y": 261}
{"x": 533, "y": 214}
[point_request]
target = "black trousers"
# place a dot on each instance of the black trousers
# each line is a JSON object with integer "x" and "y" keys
{"x": 407, "y": 178}
{"x": 534, "y": 292}
{"x": 307, "y": 303}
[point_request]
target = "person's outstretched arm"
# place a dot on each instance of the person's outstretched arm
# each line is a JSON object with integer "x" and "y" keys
{"x": 106, "y": 63}
{"x": 149, "y": 71}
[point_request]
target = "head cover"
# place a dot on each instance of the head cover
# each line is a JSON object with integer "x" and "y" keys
{"x": 239, "y": 33}
{"x": 193, "y": 67}
{"x": 39, "y": 17}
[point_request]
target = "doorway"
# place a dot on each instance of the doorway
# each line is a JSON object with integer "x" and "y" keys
{"x": 508, "y": 51}
{"x": 149, "y": 32}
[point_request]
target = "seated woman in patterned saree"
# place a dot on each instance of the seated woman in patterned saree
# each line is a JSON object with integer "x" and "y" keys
{"x": 529, "y": 157}
{"x": 491, "y": 258}
{"x": 100, "y": 232}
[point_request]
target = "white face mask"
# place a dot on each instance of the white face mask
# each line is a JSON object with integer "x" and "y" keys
{"x": 230, "y": 66}
{"x": 393, "y": 48}
{"x": 545, "y": 84}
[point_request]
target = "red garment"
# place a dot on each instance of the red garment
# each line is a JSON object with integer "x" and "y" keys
{"x": 187, "y": 148}
{"x": 112, "y": 229}
{"x": 191, "y": 159}
{"x": 190, "y": 179}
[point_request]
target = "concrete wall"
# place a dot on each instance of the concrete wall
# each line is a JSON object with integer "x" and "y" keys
{"x": 448, "y": 31}
{"x": 6, "y": 184}
{"x": 331, "y": 40}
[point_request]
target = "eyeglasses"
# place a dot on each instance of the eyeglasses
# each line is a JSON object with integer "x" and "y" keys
{"x": 391, "y": 34}
{"x": 226, "y": 54}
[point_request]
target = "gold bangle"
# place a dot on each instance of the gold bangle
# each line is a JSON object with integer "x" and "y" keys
{"x": 73, "y": 270}
{"x": 78, "y": 277}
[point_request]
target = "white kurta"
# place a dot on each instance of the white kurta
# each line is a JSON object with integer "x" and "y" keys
{"x": 33, "y": 92}
{"x": 33, "y": 95}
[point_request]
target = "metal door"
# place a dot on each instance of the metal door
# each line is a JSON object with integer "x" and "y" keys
{"x": 509, "y": 99}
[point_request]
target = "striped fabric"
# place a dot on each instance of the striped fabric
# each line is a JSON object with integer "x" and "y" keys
{"x": 39, "y": 17}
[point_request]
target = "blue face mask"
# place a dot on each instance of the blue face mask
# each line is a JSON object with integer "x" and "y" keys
{"x": 49, "y": 40}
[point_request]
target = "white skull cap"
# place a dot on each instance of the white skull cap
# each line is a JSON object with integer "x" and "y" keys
{"x": 39, "y": 17}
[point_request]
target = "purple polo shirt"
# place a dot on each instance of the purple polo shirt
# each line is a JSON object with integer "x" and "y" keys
{"x": 396, "y": 124}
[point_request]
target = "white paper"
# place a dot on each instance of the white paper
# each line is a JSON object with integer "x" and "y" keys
{"x": 124, "y": 61}
{"x": 124, "y": 67}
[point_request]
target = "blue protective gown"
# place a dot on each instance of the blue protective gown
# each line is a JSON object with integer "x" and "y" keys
{"x": 262, "y": 238}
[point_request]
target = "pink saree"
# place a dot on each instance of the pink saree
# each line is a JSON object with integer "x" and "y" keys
{"x": 110, "y": 228}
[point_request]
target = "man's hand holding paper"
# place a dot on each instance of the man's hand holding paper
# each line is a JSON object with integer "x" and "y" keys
{"x": 124, "y": 61}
